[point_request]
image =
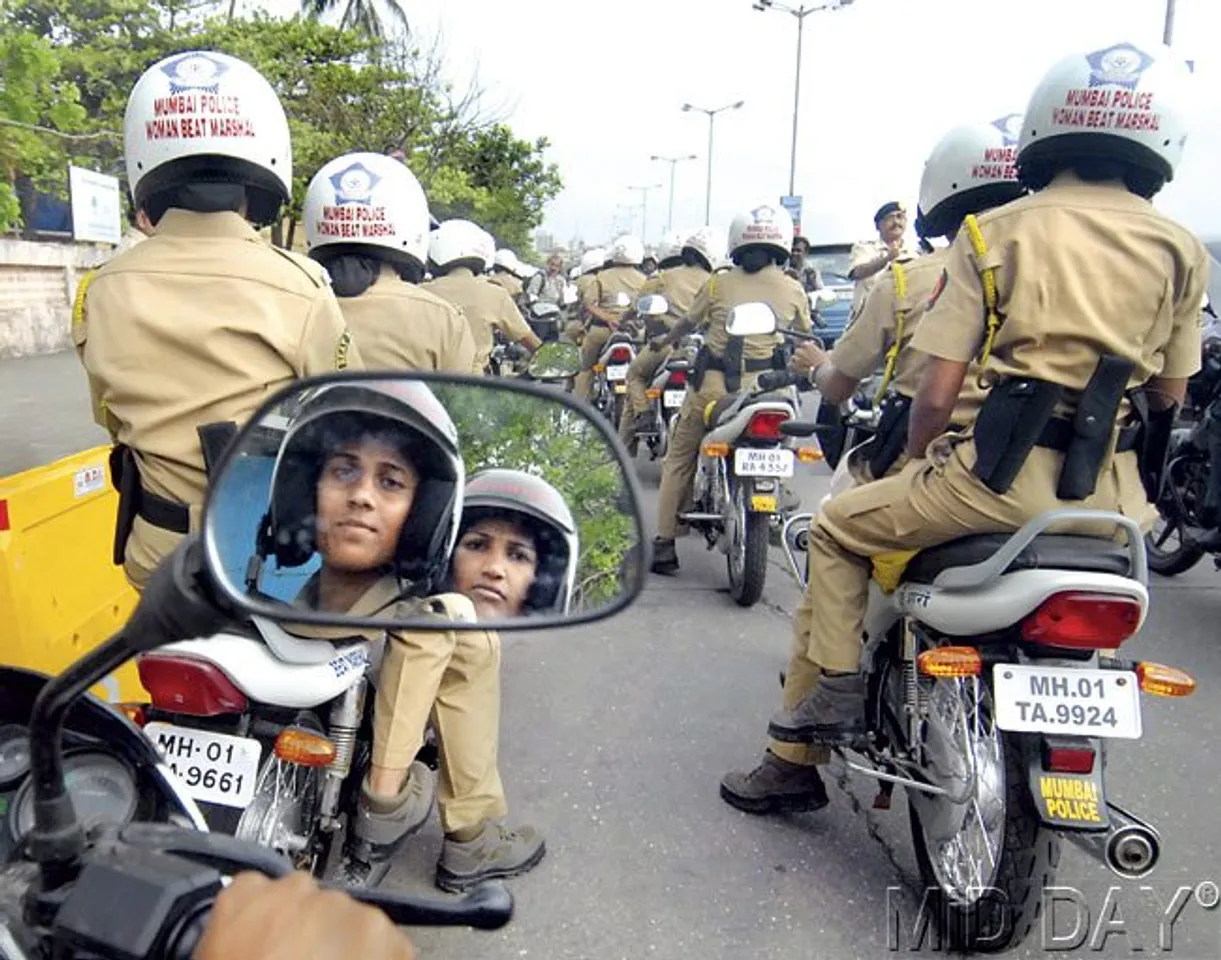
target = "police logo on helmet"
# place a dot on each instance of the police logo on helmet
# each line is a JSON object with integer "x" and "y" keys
{"x": 1010, "y": 128}
{"x": 1120, "y": 65}
{"x": 763, "y": 214}
{"x": 354, "y": 184}
{"x": 194, "y": 71}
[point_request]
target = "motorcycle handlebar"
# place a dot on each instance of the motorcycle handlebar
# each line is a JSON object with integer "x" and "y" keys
{"x": 779, "y": 379}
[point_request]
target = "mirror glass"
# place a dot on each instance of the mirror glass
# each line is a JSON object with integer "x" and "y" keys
{"x": 571, "y": 294}
{"x": 351, "y": 499}
{"x": 622, "y": 300}
{"x": 557, "y": 360}
{"x": 652, "y": 305}
{"x": 750, "y": 319}
{"x": 824, "y": 297}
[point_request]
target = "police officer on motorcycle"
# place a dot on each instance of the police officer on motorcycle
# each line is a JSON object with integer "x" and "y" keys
{"x": 760, "y": 242}
{"x": 183, "y": 335}
{"x": 620, "y": 278}
{"x": 367, "y": 222}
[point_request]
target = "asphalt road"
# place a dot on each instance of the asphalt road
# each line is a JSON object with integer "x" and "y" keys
{"x": 615, "y": 736}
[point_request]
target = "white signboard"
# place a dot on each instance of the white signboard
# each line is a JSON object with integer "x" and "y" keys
{"x": 97, "y": 214}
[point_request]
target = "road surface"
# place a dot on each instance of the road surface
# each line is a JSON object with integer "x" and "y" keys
{"x": 616, "y": 734}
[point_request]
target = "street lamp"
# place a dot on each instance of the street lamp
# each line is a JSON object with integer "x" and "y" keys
{"x": 644, "y": 208}
{"x": 673, "y": 162}
{"x": 800, "y": 13}
{"x": 687, "y": 108}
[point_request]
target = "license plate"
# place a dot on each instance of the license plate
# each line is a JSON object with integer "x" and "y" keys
{"x": 673, "y": 398}
{"x": 1060, "y": 700}
{"x": 748, "y": 462}
{"x": 214, "y": 767}
{"x": 618, "y": 372}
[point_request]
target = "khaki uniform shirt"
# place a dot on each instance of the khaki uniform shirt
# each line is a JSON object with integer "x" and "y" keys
{"x": 611, "y": 282}
{"x": 485, "y": 305}
{"x": 399, "y": 326}
{"x": 200, "y": 323}
{"x": 724, "y": 291}
{"x": 1068, "y": 292}
{"x": 867, "y": 251}
{"x": 510, "y": 284}
{"x": 863, "y": 347}
{"x": 678, "y": 285}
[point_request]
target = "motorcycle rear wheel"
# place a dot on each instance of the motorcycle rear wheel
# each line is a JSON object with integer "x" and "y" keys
{"x": 1170, "y": 562}
{"x": 746, "y": 559}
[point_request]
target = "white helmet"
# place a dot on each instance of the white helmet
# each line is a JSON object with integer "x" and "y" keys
{"x": 1123, "y": 102}
{"x": 764, "y": 226}
{"x": 709, "y": 243}
{"x": 972, "y": 167}
{"x": 458, "y": 240}
{"x": 592, "y": 259}
{"x": 506, "y": 260}
{"x": 671, "y": 246}
{"x": 574, "y": 272}
{"x": 367, "y": 200}
{"x": 208, "y": 117}
{"x": 627, "y": 251}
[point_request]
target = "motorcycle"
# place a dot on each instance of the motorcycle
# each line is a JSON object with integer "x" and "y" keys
{"x": 851, "y": 423}
{"x": 668, "y": 389}
{"x": 743, "y": 460}
{"x": 993, "y": 687}
{"x": 505, "y": 357}
{"x": 546, "y": 320}
{"x": 608, "y": 391}
{"x": 1189, "y": 501}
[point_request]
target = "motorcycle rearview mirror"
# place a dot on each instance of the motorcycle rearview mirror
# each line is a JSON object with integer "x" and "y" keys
{"x": 823, "y": 297}
{"x": 571, "y": 295}
{"x": 623, "y": 300}
{"x": 399, "y": 482}
{"x": 557, "y": 360}
{"x": 652, "y": 305}
{"x": 750, "y": 319}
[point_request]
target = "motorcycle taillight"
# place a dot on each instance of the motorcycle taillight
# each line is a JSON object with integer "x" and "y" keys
{"x": 678, "y": 378}
{"x": 765, "y": 425}
{"x": 621, "y": 355}
{"x": 1083, "y": 621}
{"x": 178, "y": 684}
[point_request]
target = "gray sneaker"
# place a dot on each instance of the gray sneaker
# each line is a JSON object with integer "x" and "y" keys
{"x": 833, "y": 713}
{"x": 775, "y": 786}
{"x": 498, "y": 852}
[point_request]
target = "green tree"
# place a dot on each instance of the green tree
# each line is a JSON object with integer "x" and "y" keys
{"x": 370, "y": 17}
{"x": 502, "y": 428}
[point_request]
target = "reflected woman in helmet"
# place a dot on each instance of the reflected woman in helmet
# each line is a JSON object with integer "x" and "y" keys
{"x": 516, "y": 555}
{"x": 369, "y": 476}
{"x": 367, "y": 222}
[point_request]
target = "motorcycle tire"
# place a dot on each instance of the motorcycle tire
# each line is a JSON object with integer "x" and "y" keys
{"x": 747, "y": 590}
{"x": 1029, "y": 857}
{"x": 1170, "y": 563}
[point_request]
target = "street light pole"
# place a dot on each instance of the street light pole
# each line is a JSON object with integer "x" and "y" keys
{"x": 800, "y": 13}
{"x": 644, "y": 208}
{"x": 1168, "y": 30}
{"x": 673, "y": 162}
{"x": 687, "y": 108}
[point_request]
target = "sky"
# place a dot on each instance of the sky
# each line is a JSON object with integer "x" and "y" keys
{"x": 882, "y": 80}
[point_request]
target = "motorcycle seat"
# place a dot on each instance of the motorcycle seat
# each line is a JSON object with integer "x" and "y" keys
{"x": 720, "y": 410}
{"x": 1049, "y": 551}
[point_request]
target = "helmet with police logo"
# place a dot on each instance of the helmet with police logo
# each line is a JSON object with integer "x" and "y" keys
{"x": 670, "y": 249}
{"x": 765, "y": 226}
{"x": 367, "y": 202}
{"x": 626, "y": 251}
{"x": 709, "y": 244}
{"x": 506, "y": 260}
{"x": 1118, "y": 110}
{"x": 972, "y": 168}
{"x": 539, "y": 507}
{"x": 592, "y": 260}
{"x": 203, "y": 117}
{"x": 461, "y": 243}
{"x": 403, "y": 413}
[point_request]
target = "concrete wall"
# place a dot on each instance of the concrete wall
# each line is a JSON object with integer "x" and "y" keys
{"x": 37, "y": 284}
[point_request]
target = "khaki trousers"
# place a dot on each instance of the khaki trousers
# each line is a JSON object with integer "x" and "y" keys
{"x": 591, "y": 348}
{"x": 929, "y": 502}
{"x": 452, "y": 678}
{"x": 639, "y": 375}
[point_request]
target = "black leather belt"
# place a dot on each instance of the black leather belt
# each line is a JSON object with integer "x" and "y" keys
{"x": 748, "y": 366}
{"x": 163, "y": 513}
{"x": 1059, "y": 433}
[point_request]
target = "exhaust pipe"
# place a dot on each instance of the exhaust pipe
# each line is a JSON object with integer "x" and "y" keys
{"x": 1130, "y": 849}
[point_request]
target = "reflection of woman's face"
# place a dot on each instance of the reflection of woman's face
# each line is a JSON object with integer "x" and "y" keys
{"x": 363, "y": 498}
{"x": 494, "y": 565}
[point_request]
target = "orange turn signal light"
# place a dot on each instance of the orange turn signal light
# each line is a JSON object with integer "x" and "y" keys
{"x": 809, "y": 454}
{"x": 304, "y": 748}
{"x": 716, "y": 449}
{"x": 947, "y": 663}
{"x": 652, "y": 393}
{"x": 599, "y": 368}
{"x": 1163, "y": 681}
{"x": 133, "y": 712}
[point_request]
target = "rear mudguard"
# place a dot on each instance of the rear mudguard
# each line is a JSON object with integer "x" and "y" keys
{"x": 1065, "y": 801}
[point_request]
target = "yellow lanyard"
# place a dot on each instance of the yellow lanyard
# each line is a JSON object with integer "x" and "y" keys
{"x": 892, "y": 355}
{"x": 988, "y": 277}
